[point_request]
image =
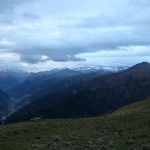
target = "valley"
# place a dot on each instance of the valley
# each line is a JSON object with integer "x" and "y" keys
{"x": 74, "y": 75}
{"x": 72, "y": 110}
{"x": 81, "y": 95}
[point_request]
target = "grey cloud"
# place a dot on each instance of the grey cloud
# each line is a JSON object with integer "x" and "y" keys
{"x": 31, "y": 58}
{"x": 59, "y": 54}
{"x": 103, "y": 26}
{"x": 6, "y": 21}
{"x": 65, "y": 58}
{"x": 30, "y": 16}
{"x": 127, "y": 17}
{"x": 5, "y": 46}
{"x": 75, "y": 42}
{"x": 9, "y": 5}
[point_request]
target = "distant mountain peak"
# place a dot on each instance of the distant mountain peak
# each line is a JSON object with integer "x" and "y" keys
{"x": 141, "y": 65}
{"x": 144, "y": 63}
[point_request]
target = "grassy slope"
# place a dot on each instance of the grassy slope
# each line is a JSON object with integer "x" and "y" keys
{"x": 127, "y": 128}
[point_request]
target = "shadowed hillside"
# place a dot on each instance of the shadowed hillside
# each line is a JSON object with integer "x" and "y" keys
{"x": 98, "y": 96}
{"x": 125, "y": 129}
{"x": 4, "y": 104}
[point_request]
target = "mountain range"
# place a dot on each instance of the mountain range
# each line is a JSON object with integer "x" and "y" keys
{"x": 42, "y": 83}
{"x": 84, "y": 95}
{"x": 23, "y": 87}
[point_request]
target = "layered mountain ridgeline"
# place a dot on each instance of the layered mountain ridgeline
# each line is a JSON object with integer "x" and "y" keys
{"x": 49, "y": 82}
{"x": 10, "y": 78}
{"x": 97, "y": 96}
{"x": 125, "y": 129}
{"x": 42, "y": 82}
{"x": 39, "y": 83}
{"x": 5, "y": 104}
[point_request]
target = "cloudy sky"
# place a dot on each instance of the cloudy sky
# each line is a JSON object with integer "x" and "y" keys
{"x": 44, "y": 34}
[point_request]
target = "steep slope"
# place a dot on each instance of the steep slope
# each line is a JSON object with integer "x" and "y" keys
{"x": 46, "y": 83}
{"x": 7, "y": 81}
{"x": 98, "y": 96}
{"x": 40, "y": 82}
{"x": 4, "y": 104}
{"x": 105, "y": 94}
{"x": 10, "y": 79}
{"x": 125, "y": 129}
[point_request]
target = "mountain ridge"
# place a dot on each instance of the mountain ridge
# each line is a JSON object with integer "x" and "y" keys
{"x": 98, "y": 96}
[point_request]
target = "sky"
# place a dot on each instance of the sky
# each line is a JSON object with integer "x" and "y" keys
{"x": 38, "y": 35}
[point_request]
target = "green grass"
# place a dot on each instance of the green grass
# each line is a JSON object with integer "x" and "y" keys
{"x": 126, "y": 129}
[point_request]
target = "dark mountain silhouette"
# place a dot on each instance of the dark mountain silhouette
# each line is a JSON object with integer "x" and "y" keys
{"x": 38, "y": 85}
{"x": 44, "y": 83}
{"x": 4, "y": 104}
{"x": 100, "y": 95}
